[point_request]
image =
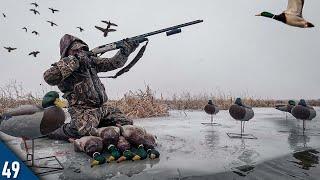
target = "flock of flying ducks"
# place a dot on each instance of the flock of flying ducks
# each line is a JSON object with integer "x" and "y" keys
{"x": 291, "y": 16}
{"x": 34, "y": 10}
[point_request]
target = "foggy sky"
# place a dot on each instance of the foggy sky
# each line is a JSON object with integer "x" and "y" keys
{"x": 232, "y": 52}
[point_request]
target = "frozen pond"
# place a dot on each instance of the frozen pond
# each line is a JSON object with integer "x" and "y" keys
{"x": 191, "y": 150}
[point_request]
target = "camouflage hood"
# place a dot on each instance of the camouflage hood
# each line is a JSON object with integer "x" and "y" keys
{"x": 68, "y": 41}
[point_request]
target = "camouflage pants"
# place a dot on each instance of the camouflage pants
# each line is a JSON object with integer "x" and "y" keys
{"x": 85, "y": 120}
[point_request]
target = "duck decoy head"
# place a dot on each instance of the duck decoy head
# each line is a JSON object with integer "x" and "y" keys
{"x": 210, "y": 102}
{"x": 292, "y": 102}
{"x": 52, "y": 99}
{"x": 238, "y": 102}
{"x": 302, "y": 102}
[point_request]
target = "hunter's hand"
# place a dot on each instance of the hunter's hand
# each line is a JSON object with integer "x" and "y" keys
{"x": 128, "y": 47}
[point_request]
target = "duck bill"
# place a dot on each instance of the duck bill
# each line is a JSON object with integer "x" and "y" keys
{"x": 258, "y": 14}
{"x": 94, "y": 163}
{"x": 110, "y": 159}
{"x": 136, "y": 158}
{"x": 122, "y": 158}
{"x": 59, "y": 103}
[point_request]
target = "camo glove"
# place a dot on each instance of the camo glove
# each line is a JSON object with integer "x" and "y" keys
{"x": 67, "y": 66}
{"x": 128, "y": 46}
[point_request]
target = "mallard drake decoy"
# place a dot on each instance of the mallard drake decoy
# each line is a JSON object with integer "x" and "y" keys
{"x": 126, "y": 155}
{"x": 33, "y": 121}
{"x": 110, "y": 135}
{"x": 140, "y": 153}
{"x": 303, "y": 112}
{"x": 88, "y": 145}
{"x": 153, "y": 153}
{"x": 211, "y": 109}
{"x": 97, "y": 159}
{"x": 133, "y": 134}
{"x": 286, "y": 107}
{"x": 241, "y": 112}
{"x": 114, "y": 153}
{"x": 123, "y": 144}
{"x": 292, "y": 16}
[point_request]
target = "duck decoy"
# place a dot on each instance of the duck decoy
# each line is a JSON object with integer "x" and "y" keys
{"x": 126, "y": 155}
{"x": 34, "y": 121}
{"x": 292, "y": 16}
{"x": 303, "y": 112}
{"x": 109, "y": 135}
{"x": 88, "y": 145}
{"x": 149, "y": 141}
{"x": 211, "y": 109}
{"x": 141, "y": 153}
{"x": 153, "y": 153}
{"x": 286, "y": 107}
{"x": 134, "y": 134}
{"x": 242, "y": 113}
{"x": 114, "y": 153}
{"x": 98, "y": 159}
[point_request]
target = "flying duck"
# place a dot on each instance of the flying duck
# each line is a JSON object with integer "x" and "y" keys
{"x": 292, "y": 16}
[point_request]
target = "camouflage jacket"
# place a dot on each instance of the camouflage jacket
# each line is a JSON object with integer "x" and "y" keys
{"x": 76, "y": 76}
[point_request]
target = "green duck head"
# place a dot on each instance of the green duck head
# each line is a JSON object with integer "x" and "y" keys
{"x": 114, "y": 153}
{"x": 52, "y": 99}
{"x": 292, "y": 102}
{"x": 97, "y": 159}
{"x": 127, "y": 155}
{"x": 266, "y": 14}
{"x": 153, "y": 153}
{"x": 140, "y": 154}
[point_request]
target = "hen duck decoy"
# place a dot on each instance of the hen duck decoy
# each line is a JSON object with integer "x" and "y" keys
{"x": 291, "y": 16}
{"x": 33, "y": 121}
{"x": 286, "y": 107}
{"x": 211, "y": 109}
{"x": 149, "y": 141}
{"x": 134, "y": 134}
{"x": 303, "y": 112}
{"x": 110, "y": 135}
{"x": 241, "y": 112}
{"x": 88, "y": 145}
{"x": 123, "y": 144}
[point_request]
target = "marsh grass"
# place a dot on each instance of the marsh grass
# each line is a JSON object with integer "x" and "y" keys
{"x": 142, "y": 103}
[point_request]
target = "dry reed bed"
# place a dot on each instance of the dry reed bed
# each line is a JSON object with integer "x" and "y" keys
{"x": 141, "y": 103}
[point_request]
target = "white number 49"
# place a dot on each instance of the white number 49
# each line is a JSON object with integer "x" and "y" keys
{"x": 15, "y": 166}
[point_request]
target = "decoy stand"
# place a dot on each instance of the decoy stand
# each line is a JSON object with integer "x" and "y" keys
{"x": 242, "y": 135}
{"x": 42, "y": 169}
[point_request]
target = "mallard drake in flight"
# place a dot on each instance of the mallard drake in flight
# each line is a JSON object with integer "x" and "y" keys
{"x": 35, "y": 11}
{"x": 52, "y": 23}
{"x": 35, "y": 4}
{"x": 34, "y": 53}
{"x": 292, "y": 16}
{"x": 10, "y": 49}
{"x": 53, "y": 10}
{"x": 33, "y": 121}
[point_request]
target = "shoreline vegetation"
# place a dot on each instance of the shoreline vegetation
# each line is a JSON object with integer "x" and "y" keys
{"x": 142, "y": 103}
